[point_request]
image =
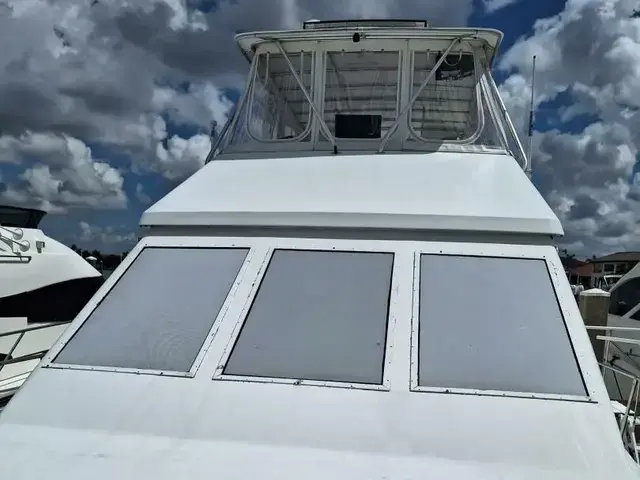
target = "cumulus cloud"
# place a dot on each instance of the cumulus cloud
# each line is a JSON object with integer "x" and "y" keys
{"x": 64, "y": 175}
{"x": 494, "y": 5}
{"x": 107, "y": 236}
{"x": 141, "y": 195}
{"x": 590, "y": 53}
{"x": 181, "y": 157}
{"x": 69, "y": 71}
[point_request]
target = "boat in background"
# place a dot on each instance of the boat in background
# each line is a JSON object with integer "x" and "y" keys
{"x": 43, "y": 286}
{"x": 360, "y": 283}
{"x": 623, "y": 323}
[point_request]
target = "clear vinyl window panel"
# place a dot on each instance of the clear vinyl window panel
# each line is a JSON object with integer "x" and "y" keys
{"x": 159, "y": 313}
{"x": 277, "y": 108}
{"x": 361, "y": 93}
{"x": 446, "y": 108}
{"x": 492, "y": 323}
{"x": 319, "y": 316}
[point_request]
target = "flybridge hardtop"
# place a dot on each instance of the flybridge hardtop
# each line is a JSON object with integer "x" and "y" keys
{"x": 385, "y": 29}
{"x": 360, "y": 284}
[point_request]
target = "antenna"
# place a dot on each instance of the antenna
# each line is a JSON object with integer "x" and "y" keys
{"x": 530, "y": 133}
{"x": 212, "y": 132}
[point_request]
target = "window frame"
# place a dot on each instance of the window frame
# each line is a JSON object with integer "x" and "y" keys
{"x": 563, "y": 297}
{"x": 400, "y": 366}
{"x": 148, "y": 243}
{"x": 328, "y": 246}
{"x": 478, "y": 93}
{"x": 358, "y": 143}
{"x": 253, "y": 78}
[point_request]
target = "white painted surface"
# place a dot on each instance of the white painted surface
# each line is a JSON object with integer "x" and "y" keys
{"x": 150, "y": 427}
{"x": 56, "y": 263}
{"x": 436, "y": 191}
{"x": 113, "y": 424}
{"x": 433, "y": 37}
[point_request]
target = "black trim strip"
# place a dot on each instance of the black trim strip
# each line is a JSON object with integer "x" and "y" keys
{"x": 59, "y": 302}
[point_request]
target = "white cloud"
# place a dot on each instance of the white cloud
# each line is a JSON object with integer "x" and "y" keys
{"x": 182, "y": 156}
{"x": 107, "y": 236}
{"x": 201, "y": 104}
{"x": 494, "y": 5}
{"x": 589, "y": 51}
{"x": 65, "y": 175}
{"x": 141, "y": 194}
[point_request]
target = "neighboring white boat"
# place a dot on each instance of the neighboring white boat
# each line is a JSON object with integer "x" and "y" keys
{"x": 43, "y": 285}
{"x": 333, "y": 295}
{"x": 624, "y": 317}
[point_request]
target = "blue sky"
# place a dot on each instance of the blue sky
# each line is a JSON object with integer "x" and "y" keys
{"x": 126, "y": 118}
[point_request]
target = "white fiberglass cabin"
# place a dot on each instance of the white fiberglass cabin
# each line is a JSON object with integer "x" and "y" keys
{"x": 360, "y": 284}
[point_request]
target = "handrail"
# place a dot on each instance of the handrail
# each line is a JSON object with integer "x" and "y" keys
{"x": 9, "y": 360}
{"x": 223, "y": 133}
{"x": 526, "y": 164}
{"x": 629, "y": 419}
{"x": 631, "y": 341}
{"x": 611, "y": 327}
{"x": 23, "y": 358}
{"x": 233, "y": 117}
{"x": 29, "y": 329}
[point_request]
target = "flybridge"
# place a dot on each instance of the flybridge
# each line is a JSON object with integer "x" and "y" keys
{"x": 369, "y": 86}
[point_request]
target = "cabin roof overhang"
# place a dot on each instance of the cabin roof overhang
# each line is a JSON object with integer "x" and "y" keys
{"x": 453, "y": 192}
{"x": 249, "y": 41}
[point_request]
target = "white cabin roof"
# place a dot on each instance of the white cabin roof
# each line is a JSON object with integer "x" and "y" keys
{"x": 250, "y": 40}
{"x": 438, "y": 191}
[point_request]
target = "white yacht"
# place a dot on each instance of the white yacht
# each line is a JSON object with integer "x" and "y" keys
{"x": 332, "y": 295}
{"x": 43, "y": 286}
